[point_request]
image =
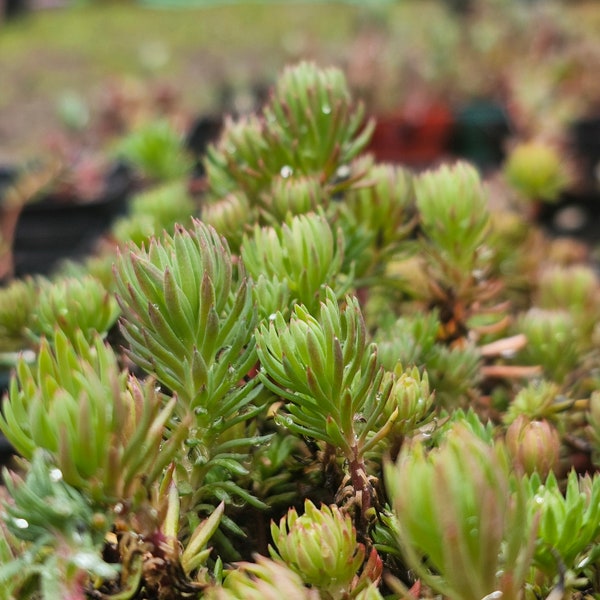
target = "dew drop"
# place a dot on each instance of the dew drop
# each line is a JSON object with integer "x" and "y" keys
{"x": 21, "y": 523}
{"x": 85, "y": 560}
{"x": 28, "y": 355}
{"x": 272, "y": 317}
{"x": 326, "y": 109}
{"x": 56, "y": 475}
{"x": 343, "y": 172}
{"x": 286, "y": 171}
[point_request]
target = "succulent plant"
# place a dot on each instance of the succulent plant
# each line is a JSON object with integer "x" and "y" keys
{"x": 64, "y": 533}
{"x": 73, "y": 305}
{"x": 321, "y": 547}
{"x": 535, "y": 169}
{"x": 462, "y": 523}
{"x": 153, "y": 211}
{"x": 264, "y": 579}
{"x": 315, "y": 105}
{"x": 454, "y": 214}
{"x": 305, "y": 254}
{"x": 103, "y": 428}
{"x": 329, "y": 374}
{"x": 17, "y": 302}
{"x": 533, "y": 445}
{"x": 568, "y": 522}
{"x": 156, "y": 150}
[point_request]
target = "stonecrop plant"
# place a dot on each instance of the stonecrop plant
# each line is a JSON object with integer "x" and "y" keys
{"x": 327, "y": 378}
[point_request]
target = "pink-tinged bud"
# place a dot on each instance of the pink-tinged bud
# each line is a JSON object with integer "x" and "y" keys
{"x": 533, "y": 445}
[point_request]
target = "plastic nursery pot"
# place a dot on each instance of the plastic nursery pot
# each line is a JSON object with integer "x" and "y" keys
{"x": 481, "y": 128}
{"x": 575, "y": 215}
{"x": 57, "y": 227}
{"x": 203, "y": 131}
{"x": 8, "y": 219}
{"x": 417, "y": 138}
{"x": 585, "y": 141}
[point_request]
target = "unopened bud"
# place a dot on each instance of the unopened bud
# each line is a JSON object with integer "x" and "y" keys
{"x": 533, "y": 445}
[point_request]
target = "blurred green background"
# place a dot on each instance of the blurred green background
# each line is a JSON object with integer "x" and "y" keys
{"x": 60, "y": 62}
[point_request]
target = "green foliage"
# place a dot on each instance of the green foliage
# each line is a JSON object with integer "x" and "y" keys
{"x": 463, "y": 525}
{"x": 73, "y": 305}
{"x": 156, "y": 150}
{"x": 17, "y": 302}
{"x": 321, "y": 547}
{"x": 314, "y": 105}
{"x": 553, "y": 341}
{"x": 536, "y": 171}
{"x": 153, "y": 211}
{"x": 538, "y": 400}
{"x": 328, "y": 373}
{"x": 103, "y": 428}
{"x": 187, "y": 317}
{"x": 264, "y": 579}
{"x": 310, "y": 127}
{"x": 385, "y": 204}
{"x": 410, "y": 399}
{"x": 454, "y": 214}
{"x": 64, "y": 534}
{"x": 569, "y": 523}
{"x": 304, "y": 254}
{"x": 231, "y": 216}
{"x": 413, "y": 341}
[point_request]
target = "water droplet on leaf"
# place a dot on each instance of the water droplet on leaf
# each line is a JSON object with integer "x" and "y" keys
{"x": 56, "y": 475}
{"x": 286, "y": 171}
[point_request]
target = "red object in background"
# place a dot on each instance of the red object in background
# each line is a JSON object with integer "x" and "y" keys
{"x": 417, "y": 135}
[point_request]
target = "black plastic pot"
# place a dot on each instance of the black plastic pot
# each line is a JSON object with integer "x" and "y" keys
{"x": 481, "y": 129}
{"x": 54, "y": 228}
{"x": 204, "y": 131}
{"x": 575, "y": 215}
{"x": 585, "y": 140}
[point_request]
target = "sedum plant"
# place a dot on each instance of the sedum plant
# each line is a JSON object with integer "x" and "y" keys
{"x": 64, "y": 533}
{"x": 536, "y": 171}
{"x": 188, "y": 317}
{"x": 569, "y": 528}
{"x": 462, "y": 492}
{"x": 156, "y": 151}
{"x": 331, "y": 378}
{"x": 17, "y": 302}
{"x": 321, "y": 546}
{"x": 152, "y": 211}
{"x": 73, "y": 305}
{"x": 102, "y": 427}
{"x": 305, "y": 255}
